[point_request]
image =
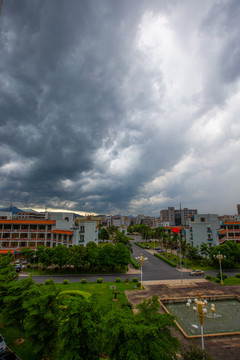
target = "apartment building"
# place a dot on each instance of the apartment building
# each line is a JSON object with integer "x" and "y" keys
{"x": 176, "y": 217}
{"x": 202, "y": 228}
{"x": 55, "y": 229}
{"x": 229, "y": 230}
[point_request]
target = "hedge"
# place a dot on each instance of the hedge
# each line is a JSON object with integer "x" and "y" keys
{"x": 166, "y": 260}
{"x": 134, "y": 263}
{"x": 141, "y": 245}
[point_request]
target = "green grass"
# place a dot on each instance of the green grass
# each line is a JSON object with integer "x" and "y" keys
{"x": 229, "y": 281}
{"x": 23, "y": 350}
{"x": 103, "y": 291}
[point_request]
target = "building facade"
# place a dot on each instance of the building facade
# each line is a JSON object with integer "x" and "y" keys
{"x": 55, "y": 229}
{"x": 202, "y": 228}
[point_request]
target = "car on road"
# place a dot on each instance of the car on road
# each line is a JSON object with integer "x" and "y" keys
{"x": 196, "y": 273}
{"x": 3, "y": 345}
{"x": 8, "y": 355}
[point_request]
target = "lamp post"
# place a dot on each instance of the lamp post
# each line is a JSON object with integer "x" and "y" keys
{"x": 202, "y": 310}
{"x": 219, "y": 256}
{"x": 141, "y": 258}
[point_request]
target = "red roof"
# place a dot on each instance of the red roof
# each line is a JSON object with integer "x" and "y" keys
{"x": 7, "y": 251}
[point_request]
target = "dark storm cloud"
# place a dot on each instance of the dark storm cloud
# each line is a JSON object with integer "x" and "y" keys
{"x": 96, "y": 103}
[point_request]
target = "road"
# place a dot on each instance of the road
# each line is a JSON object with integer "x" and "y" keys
{"x": 153, "y": 269}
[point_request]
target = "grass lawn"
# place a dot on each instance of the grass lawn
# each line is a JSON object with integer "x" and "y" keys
{"x": 104, "y": 294}
{"x": 103, "y": 291}
{"x": 229, "y": 281}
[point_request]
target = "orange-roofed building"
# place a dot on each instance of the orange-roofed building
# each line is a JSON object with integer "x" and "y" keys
{"x": 55, "y": 229}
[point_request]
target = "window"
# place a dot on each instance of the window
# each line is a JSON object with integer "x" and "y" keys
{"x": 82, "y": 229}
{"x": 81, "y": 238}
{"x": 202, "y": 219}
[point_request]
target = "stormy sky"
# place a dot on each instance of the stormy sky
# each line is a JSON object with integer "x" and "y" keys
{"x": 128, "y": 106}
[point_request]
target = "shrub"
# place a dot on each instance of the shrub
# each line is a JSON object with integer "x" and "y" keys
{"x": 196, "y": 353}
{"x": 138, "y": 284}
{"x": 135, "y": 280}
{"x": 56, "y": 268}
{"x": 99, "y": 280}
{"x": 43, "y": 268}
{"x": 126, "y": 280}
{"x": 224, "y": 276}
{"x": 237, "y": 275}
{"x": 208, "y": 277}
{"x": 84, "y": 281}
{"x": 126, "y": 304}
{"x": 217, "y": 280}
{"x": 65, "y": 281}
{"x": 28, "y": 266}
{"x": 134, "y": 263}
{"x": 166, "y": 260}
{"x": 118, "y": 280}
{"x": 141, "y": 245}
{"x": 49, "y": 281}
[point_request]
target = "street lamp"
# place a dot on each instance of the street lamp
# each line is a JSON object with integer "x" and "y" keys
{"x": 202, "y": 310}
{"x": 219, "y": 256}
{"x": 142, "y": 259}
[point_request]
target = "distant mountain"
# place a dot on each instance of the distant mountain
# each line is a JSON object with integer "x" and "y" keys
{"x": 14, "y": 209}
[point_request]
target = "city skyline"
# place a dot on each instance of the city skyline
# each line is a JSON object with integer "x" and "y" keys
{"x": 116, "y": 107}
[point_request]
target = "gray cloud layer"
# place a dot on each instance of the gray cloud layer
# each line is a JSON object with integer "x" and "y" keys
{"x": 118, "y": 106}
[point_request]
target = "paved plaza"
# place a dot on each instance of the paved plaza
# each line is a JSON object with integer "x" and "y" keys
{"x": 220, "y": 347}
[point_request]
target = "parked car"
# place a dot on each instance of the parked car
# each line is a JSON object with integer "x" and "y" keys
{"x": 197, "y": 273}
{"x": 8, "y": 355}
{"x": 157, "y": 248}
{"x": 147, "y": 247}
{"x": 160, "y": 251}
{"x": 3, "y": 345}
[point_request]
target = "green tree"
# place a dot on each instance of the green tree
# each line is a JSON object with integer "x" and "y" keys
{"x": 77, "y": 256}
{"x": 27, "y": 254}
{"x": 8, "y": 274}
{"x": 107, "y": 257}
{"x": 193, "y": 252}
{"x": 120, "y": 237}
{"x": 226, "y": 250}
{"x": 79, "y": 330}
{"x": 204, "y": 249}
{"x": 60, "y": 255}
{"x": 13, "y": 311}
{"x": 112, "y": 230}
{"x": 46, "y": 256}
{"x": 104, "y": 234}
{"x": 122, "y": 255}
{"x": 145, "y": 336}
{"x": 41, "y": 322}
{"x": 92, "y": 255}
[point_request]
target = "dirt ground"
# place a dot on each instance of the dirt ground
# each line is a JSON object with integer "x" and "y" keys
{"x": 220, "y": 347}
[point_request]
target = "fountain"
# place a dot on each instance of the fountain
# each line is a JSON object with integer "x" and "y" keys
{"x": 221, "y": 315}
